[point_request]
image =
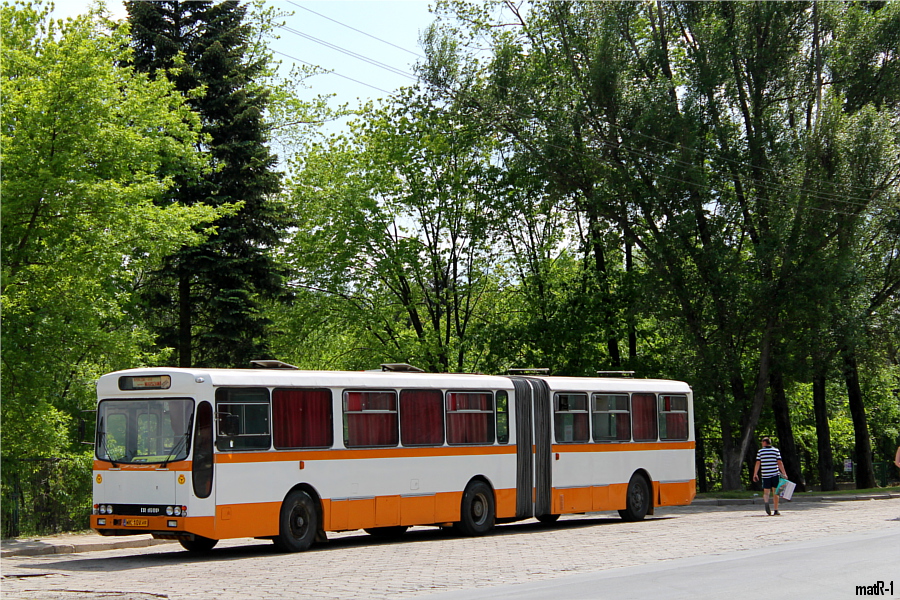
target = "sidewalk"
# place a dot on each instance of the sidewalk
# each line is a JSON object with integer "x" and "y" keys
{"x": 69, "y": 543}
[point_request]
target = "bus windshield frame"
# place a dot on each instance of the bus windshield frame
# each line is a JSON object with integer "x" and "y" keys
{"x": 144, "y": 430}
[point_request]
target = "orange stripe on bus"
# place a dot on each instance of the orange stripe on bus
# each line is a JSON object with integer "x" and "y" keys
{"x": 182, "y": 465}
{"x": 368, "y": 453}
{"x": 623, "y": 447}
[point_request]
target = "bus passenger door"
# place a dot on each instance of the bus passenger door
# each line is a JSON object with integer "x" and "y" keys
{"x": 533, "y": 447}
{"x": 203, "y": 503}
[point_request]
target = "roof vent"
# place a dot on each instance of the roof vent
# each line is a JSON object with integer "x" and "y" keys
{"x": 524, "y": 371}
{"x": 272, "y": 364}
{"x": 401, "y": 368}
{"x": 615, "y": 373}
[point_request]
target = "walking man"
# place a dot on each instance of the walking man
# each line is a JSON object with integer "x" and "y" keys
{"x": 769, "y": 458}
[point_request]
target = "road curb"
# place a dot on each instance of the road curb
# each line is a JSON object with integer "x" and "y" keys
{"x": 41, "y": 548}
{"x": 759, "y": 500}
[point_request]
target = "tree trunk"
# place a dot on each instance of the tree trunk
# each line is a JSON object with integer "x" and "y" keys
{"x": 865, "y": 472}
{"x": 184, "y": 319}
{"x": 700, "y": 462}
{"x": 823, "y": 433}
{"x": 731, "y": 458}
{"x": 785, "y": 432}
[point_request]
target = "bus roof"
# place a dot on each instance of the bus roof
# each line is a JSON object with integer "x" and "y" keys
{"x": 296, "y": 378}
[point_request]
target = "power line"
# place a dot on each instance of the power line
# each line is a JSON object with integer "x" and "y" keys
{"x": 332, "y": 72}
{"x": 350, "y": 53}
{"x": 356, "y": 30}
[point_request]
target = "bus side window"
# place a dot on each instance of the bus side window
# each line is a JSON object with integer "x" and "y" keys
{"x": 242, "y": 417}
{"x": 571, "y": 418}
{"x": 643, "y": 417}
{"x": 673, "y": 421}
{"x": 470, "y": 418}
{"x": 502, "y": 403}
{"x": 302, "y": 418}
{"x": 370, "y": 419}
{"x": 612, "y": 421}
{"x": 422, "y": 417}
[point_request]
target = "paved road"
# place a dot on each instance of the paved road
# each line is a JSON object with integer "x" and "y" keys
{"x": 825, "y": 569}
{"x": 679, "y": 547}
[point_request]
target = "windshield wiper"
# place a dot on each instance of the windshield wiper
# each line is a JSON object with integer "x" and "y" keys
{"x": 105, "y": 448}
{"x": 181, "y": 441}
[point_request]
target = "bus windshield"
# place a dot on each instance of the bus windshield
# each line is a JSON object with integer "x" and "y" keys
{"x": 144, "y": 430}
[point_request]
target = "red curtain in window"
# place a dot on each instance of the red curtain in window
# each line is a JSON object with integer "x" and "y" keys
{"x": 643, "y": 413}
{"x": 578, "y": 422}
{"x": 623, "y": 427}
{"x": 421, "y": 417}
{"x": 470, "y": 427}
{"x": 302, "y": 418}
{"x": 676, "y": 426}
{"x": 371, "y": 428}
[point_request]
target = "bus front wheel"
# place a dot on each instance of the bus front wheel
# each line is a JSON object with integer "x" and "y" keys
{"x": 477, "y": 511}
{"x": 298, "y": 523}
{"x": 637, "y": 501}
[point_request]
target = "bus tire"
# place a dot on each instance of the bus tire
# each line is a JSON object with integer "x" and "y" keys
{"x": 298, "y": 523}
{"x": 477, "y": 511}
{"x": 637, "y": 499}
{"x": 547, "y": 519}
{"x": 198, "y": 544}
{"x": 387, "y": 532}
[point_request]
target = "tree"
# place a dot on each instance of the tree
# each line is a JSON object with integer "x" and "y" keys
{"x": 397, "y": 223}
{"x": 84, "y": 157}
{"x": 207, "y": 301}
{"x": 699, "y": 133}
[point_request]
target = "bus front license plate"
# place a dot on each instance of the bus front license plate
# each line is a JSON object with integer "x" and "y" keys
{"x": 137, "y": 522}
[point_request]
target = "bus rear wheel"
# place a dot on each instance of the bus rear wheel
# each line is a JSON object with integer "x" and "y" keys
{"x": 298, "y": 523}
{"x": 477, "y": 511}
{"x": 198, "y": 544}
{"x": 637, "y": 500}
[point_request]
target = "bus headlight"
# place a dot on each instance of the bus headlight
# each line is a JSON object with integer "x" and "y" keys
{"x": 170, "y": 511}
{"x": 177, "y": 511}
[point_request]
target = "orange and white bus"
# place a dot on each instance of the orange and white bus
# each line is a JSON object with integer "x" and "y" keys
{"x": 201, "y": 455}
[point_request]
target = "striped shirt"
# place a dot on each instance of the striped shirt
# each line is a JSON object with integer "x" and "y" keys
{"x": 768, "y": 456}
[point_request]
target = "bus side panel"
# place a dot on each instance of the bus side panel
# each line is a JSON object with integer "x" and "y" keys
{"x": 677, "y": 493}
{"x": 417, "y": 510}
{"x": 599, "y": 497}
{"x": 506, "y": 503}
{"x": 247, "y": 520}
{"x": 387, "y": 511}
{"x": 361, "y": 513}
{"x": 572, "y": 500}
{"x": 446, "y": 507}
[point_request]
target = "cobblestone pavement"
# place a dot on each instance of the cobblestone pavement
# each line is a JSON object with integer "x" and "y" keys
{"x": 426, "y": 560}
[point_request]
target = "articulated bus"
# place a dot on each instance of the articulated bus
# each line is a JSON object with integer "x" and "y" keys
{"x": 201, "y": 455}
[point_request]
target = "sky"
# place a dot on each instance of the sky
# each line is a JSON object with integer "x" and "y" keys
{"x": 338, "y": 27}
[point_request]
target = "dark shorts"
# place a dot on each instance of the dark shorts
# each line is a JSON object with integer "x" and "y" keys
{"x": 770, "y": 483}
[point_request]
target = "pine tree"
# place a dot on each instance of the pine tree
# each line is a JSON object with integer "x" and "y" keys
{"x": 205, "y": 303}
